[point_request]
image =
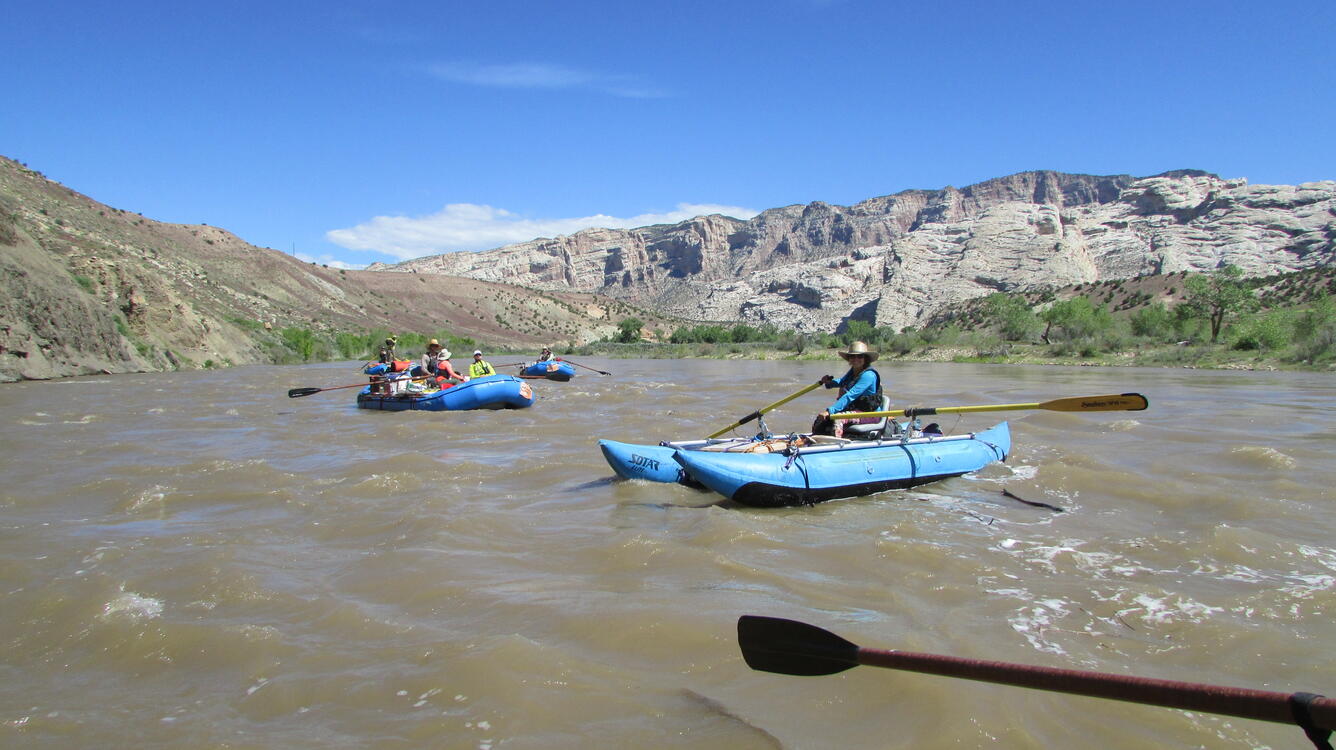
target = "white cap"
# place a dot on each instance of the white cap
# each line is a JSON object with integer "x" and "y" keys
{"x": 476, "y": 352}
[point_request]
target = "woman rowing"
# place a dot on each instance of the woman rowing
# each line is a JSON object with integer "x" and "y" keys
{"x": 860, "y": 389}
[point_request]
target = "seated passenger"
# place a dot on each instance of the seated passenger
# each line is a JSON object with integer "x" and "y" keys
{"x": 445, "y": 372}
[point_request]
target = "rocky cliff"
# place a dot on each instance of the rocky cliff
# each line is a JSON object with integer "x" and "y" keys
{"x": 899, "y": 259}
{"x": 86, "y": 288}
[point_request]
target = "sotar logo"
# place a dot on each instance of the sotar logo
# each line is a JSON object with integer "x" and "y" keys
{"x": 649, "y": 463}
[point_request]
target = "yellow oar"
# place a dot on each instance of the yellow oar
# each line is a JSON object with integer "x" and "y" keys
{"x": 1121, "y": 402}
{"x": 757, "y": 414}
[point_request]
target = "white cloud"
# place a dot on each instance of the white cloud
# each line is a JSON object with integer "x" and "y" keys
{"x": 543, "y": 76}
{"x": 468, "y": 226}
{"x": 326, "y": 260}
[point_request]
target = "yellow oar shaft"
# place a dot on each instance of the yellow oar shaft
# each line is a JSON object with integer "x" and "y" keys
{"x": 757, "y": 414}
{"x": 1117, "y": 402}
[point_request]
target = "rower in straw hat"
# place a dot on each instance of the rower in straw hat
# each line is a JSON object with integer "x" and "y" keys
{"x": 860, "y": 388}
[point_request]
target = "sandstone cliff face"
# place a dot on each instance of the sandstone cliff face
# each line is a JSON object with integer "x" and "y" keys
{"x": 896, "y": 260}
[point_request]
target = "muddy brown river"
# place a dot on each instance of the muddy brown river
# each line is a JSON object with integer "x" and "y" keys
{"x": 194, "y": 560}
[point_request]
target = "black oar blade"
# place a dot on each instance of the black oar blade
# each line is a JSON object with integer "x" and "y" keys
{"x": 299, "y": 392}
{"x": 772, "y": 644}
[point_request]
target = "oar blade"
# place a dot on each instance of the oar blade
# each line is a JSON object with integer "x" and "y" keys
{"x": 773, "y": 644}
{"x": 1114, "y": 402}
{"x": 299, "y": 392}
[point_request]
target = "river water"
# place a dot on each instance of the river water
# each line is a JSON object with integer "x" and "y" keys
{"x": 194, "y": 560}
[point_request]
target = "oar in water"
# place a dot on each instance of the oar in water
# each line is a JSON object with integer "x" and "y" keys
{"x": 1119, "y": 402}
{"x": 771, "y": 644}
{"x": 299, "y": 392}
{"x": 577, "y": 364}
{"x": 759, "y": 412}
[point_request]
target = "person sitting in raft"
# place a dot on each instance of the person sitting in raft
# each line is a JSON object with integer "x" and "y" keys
{"x": 387, "y": 350}
{"x": 445, "y": 372}
{"x": 546, "y": 356}
{"x": 429, "y": 361}
{"x": 860, "y": 389}
{"x": 480, "y": 368}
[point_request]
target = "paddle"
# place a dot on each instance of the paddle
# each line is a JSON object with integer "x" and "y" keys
{"x": 577, "y": 364}
{"x": 512, "y": 364}
{"x": 299, "y": 392}
{"x": 757, "y": 414}
{"x": 771, "y": 644}
{"x": 1123, "y": 402}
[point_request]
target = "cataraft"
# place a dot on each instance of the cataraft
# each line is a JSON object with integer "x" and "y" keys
{"x": 770, "y": 471}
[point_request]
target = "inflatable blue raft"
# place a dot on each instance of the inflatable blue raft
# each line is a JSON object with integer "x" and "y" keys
{"x": 553, "y": 369}
{"x": 490, "y": 392}
{"x": 806, "y": 469}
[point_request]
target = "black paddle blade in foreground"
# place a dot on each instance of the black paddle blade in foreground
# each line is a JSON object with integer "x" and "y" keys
{"x": 299, "y": 392}
{"x": 772, "y": 644}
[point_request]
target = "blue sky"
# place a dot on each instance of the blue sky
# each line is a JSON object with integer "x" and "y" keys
{"x": 352, "y": 132}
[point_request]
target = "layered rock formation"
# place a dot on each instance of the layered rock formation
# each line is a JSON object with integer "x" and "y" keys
{"x": 898, "y": 259}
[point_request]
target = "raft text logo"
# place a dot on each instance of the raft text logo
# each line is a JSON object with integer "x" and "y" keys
{"x": 649, "y": 463}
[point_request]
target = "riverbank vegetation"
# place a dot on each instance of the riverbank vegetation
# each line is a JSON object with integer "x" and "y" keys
{"x": 1215, "y": 320}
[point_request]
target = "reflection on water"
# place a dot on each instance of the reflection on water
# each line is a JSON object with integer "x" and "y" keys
{"x": 194, "y": 560}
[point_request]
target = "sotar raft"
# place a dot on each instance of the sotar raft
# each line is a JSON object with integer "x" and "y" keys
{"x": 768, "y": 471}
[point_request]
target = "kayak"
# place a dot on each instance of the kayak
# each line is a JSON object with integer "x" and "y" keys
{"x": 552, "y": 370}
{"x": 780, "y": 471}
{"x": 490, "y": 392}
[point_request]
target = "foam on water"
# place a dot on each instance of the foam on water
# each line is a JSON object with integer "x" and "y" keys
{"x": 132, "y": 606}
{"x": 1262, "y": 457}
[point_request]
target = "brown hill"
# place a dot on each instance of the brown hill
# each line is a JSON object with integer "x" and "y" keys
{"x": 86, "y": 288}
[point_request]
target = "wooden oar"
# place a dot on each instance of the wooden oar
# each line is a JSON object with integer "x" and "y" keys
{"x": 759, "y": 412}
{"x": 511, "y": 364}
{"x": 299, "y": 392}
{"x": 1120, "y": 402}
{"x": 771, "y": 644}
{"x": 577, "y": 364}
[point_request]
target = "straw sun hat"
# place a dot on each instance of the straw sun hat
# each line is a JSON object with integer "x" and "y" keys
{"x": 860, "y": 348}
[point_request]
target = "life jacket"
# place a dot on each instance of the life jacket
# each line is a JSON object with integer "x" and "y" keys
{"x": 867, "y": 401}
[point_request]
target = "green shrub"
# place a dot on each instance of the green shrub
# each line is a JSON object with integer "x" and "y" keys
{"x": 1268, "y": 332}
{"x": 1154, "y": 322}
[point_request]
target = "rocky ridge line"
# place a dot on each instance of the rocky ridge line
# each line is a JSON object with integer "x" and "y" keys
{"x": 900, "y": 259}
